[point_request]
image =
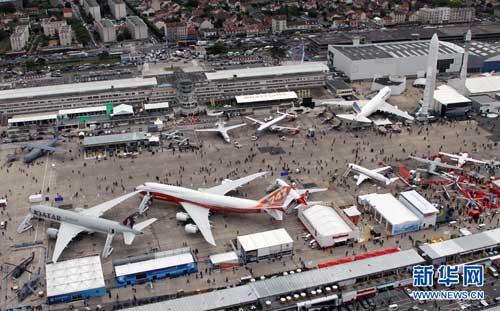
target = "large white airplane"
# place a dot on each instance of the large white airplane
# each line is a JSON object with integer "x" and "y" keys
{"x": 461, "y": 158}
{"x": 85, "y": 220}
{"x": 199, "y": 203}
{"x": 271, "y": 125}
{"x": 375, "y": 174}
{"x": 222, "y": 130}
{"x": 363, "y": 109}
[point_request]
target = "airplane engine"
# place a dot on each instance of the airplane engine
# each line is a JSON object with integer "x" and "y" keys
{"x": 52, "y": 233}
{"x": 182, "y": 216}
{"x": 190, "y": 228}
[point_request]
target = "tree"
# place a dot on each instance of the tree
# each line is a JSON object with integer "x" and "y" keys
{"x": 278, "y": 50}
{"x": 217, "y": 48}
{"x": 81, "y": 33}
{"x": 313, "y": 13}
{"x": 455, "y": 3}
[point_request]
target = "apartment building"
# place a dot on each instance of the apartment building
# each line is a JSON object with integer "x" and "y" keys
{"x": 117, "y": 8}
{"x": 106, "y": 30}
{"x": 443, "y": 15}
{"x": 137, "y": 27}
{"x": 51, "y": 27}
{"x": 92, "y": 7}
{"x": 19, "y": 37}
{"x": 65, "y": 35}
{"x": 176, "y": 31}
{"x": 278, "y": 23}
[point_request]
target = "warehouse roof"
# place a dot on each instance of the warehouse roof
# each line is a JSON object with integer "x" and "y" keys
{"x": 395, "y": 50}
{"x": 253, "y": 98}
{"x": 419, "y": 202}
{"x": 156, "y": 106}
{"x": 224, "y": 257}
{"x": 326, "y": 221}
{"x": 445, "y": 95}
{"x": 463, "y": 244}
{"x": 74, "y": 275}
{"x": 264, "y": 239}
{"x": 290, "y": 283}
{"x": 154, "y": 264}
{"x": 310, "y": 67}
{"x": 477, "y": 85}
{"x": 390, "y": 208}
{"x": 82, "y": 110}
{"x": 33, "y": 117}
{"x": 76, "y": 88}
{"x": 113, "y": 139}
{"x": 123, "y": 109}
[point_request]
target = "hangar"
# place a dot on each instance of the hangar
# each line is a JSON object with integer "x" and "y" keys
{"x": 405, "y": 58}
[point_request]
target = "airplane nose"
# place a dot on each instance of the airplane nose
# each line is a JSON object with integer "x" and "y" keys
{"x": 139, "y": 188}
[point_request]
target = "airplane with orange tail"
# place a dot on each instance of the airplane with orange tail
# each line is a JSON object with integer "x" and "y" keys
{"x": 199, "y": 203}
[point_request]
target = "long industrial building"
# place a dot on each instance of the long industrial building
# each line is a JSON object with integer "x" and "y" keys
{"x": 406, "y": 58}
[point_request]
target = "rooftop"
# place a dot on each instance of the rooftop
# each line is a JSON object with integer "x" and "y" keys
{"x": 106, "y": 23}
{"x": 92, "y": 3}
{"x": 326, "y": 221}
{"x": 445, "y": 94}
{"x": 463, "y": 244}
{"x": 395, "y": 50}
{"x": 136, "y": 20}
{"x": 156, "y": 106}
{"x": 310, "y": 67}
{"x": 419, "y": 202}
{"x": 81, "y": 110}
{"x": 477, "y": 85}
{"x": 103, "y": 140}
{"x": 223, "y": 258}
{"x": 76, "y": 88}
{"x": 245, "y": 99}
{"x": 74, "y": 275}
{"x": 154, "y": 264}
{"x": 264, "y": 239}
{"x": 33, "y": 117}
{"x": 390, "y": 208}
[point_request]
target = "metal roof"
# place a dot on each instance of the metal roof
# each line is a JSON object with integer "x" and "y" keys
{"x": 154, "y": 264}
{"x": 74, "y": 275}
{"x": 156, "y": 106}
{"x": 310, "y": 67}
{"x": 395, "y": 50}
{"x": 82, "y": 110}
{"x": 326, "y": 221}
{"x": 224, "y": 257}
{"x": 76, "y": 88}
{"x": 285, "y": 284}
{"x": 123, "y": 109}
{"x": 419, "y": 202}
{"x": 463, "y": 244}
{"x": 264, "y": 239}
{"x": 32, "y": 117}
{"x": 445, "y": 95}
{"x": 114, "y": 139}
{"x": 478, "y": 85}
{"x": 390, "y": 208}
{"x": 244, "y": 99}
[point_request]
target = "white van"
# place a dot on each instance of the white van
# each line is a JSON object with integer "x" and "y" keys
{"x": 393, "y": 307}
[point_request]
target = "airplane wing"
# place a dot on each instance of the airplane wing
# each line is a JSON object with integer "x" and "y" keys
{"x": 444, "y": 165}
{"x": 48, "y": 148}
{"x": 449, "y": 155}
{"x": 388, "y": 108}
{"x": 422, "y": 160}
{"x": 310, "y": 190}
{"x": 207, "y": 130}
{"x": 475, "y": 161}
{"x": 229, "y": 185}
{"x": 66, "y": 233}
{"x": 255, "y": 120}
{"x": 200, "y": 217}
{"x": 361, "y": 178}
{"x": 381, "y": 169}
{"x": 232, "y": 127}
{"x": 100, "y": 209}
{"x": 280, "y": 128}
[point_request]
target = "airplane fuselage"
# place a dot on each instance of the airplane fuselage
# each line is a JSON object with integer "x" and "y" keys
{"x": 90, "y": 223}
{"x": 269, "y": 124}
{"x": 373, "y": 175}
{"x": 34, "y": 154}
{"x": 211, "y": 201}
{"x": 374, "y": 104}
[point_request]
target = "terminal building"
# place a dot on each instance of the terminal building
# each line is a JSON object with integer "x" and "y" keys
{"x": 147, "y": 268}
{"x": 75, "y": 279}
{"x": 406, "y": 58}
{"x": 327, "y": 226}
{"x": 395, "y": 217}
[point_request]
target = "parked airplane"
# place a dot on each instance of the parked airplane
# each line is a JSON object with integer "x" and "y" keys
{"x": 492, "y": 163}
{"x": 88, "y": 220}
{"x": 433, "y": 165}
{"x": 36, "y": 151}
{"x": 375, "y": 174}
{"x": 199, "y": 203}
{"x": 364, "y": 109}
{"x": 271, "y": 124}
{"x": 222, "y": 130}
{"x": 461, "y": 158}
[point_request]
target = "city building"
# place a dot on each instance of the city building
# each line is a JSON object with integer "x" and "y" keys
{"x": 407, "y": 58}
{"x": 394, "y": 217}
{"x": 92, "y": 8}
{"x": 175, "y": 32}
{"x": 51, "y": 27}
{"x": 486, "y": 103}
{"x": 19, "y": 37}
{"x": 106, "y": 30}
{"x": 185, "y": 101}
{"x": 129, "y": 141}
{"x": 156, "y": 266}
{"x": 224, "y": 261}
{"x": 278, "y": 24}
{"x": 443, "y": 15}
{"x": 328, "y": 226}
{"x": 448, "y": 102}
{"x": 264, "y": 245}
{"x": 75, "y": 279}
{"x": 117, "y": 8}
{"x": 67, "y": 13}
{"x": 340, "y": 87}
{"x": 266, "y": 99}
{"x": 65, "y": 35}
{"x": 137, "y": 28}
{"x": 482, "y": 85}
{"x": 420, "y": 207}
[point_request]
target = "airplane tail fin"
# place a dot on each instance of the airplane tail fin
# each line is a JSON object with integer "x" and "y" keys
{"x": 276, "y": 202}
{"x": 129, "y": 237}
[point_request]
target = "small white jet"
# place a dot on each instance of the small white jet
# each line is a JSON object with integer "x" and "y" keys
{"x": 363, "y": 109}
{"x": 375, "y": 174}
{"x": 461, "y": 158}
{"x": 433, "y": 165}
{"x": 222, "y": 130}
{"x": 199, "y": 203}
{"x": 271, "y": 125}
{"x": 84, "y": 220}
